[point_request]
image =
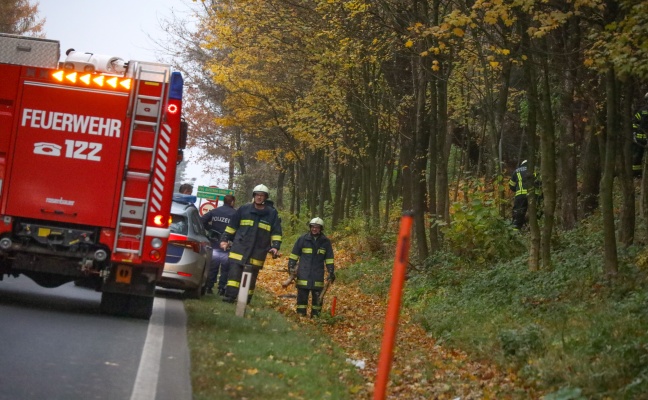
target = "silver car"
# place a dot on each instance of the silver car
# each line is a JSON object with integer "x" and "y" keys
{"x": 189, "y": 250}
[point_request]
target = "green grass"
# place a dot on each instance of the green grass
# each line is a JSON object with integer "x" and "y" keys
{"x": 263, "y": 355}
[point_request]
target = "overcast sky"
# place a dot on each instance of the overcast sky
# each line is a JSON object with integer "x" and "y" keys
{"x": 117, "y": 28}
{"x": 120, "y": 28}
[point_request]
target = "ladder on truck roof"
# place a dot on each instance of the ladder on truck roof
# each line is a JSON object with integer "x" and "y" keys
{"x": 146, "y": 111}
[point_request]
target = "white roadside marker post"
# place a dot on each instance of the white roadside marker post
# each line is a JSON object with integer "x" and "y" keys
{"x": 244, "y": 289}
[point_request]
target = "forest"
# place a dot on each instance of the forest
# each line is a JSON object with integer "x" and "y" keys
{"x": 368, "y": 108}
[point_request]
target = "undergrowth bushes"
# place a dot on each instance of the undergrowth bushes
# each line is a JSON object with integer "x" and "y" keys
{"x": 570, "y": 330}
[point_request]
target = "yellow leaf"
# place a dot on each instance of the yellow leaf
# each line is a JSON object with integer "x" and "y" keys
{"x": 252, "y": 371}
{"x": 409, "y": 44}
{"x": 494, "y": 64}
{"x": 458, "y": 32}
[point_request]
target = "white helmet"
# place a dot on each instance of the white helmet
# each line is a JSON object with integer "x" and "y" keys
{"x": 261, "y": 189}
{"x": 316, "y": 221}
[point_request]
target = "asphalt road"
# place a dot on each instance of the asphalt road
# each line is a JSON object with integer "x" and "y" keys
{"x": 54, "y": 344}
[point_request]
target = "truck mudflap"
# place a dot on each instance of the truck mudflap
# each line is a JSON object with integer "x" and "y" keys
{"x": 129, "y": 290}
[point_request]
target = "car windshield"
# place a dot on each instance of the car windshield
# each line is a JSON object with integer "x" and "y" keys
{"x": 179, "y": 224}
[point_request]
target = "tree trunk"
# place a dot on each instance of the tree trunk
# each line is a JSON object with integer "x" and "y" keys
{"x": 591, "y": 171}
{"x": 532, "y": 124}
{"x": 281, "y": 178}
{"x": 607, "y": 183}
{"x": 338, "y": 202}
{"x": 421, "y": 137}
{"x": 444, "y": 144}
{"x": 569, "y": 183}
{"x": 624, "y": 165}
{"x": 548, "y": 167}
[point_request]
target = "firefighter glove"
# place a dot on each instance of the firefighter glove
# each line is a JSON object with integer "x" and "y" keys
{"x": 292, "y": 267}
{"x": 331, "y": 276}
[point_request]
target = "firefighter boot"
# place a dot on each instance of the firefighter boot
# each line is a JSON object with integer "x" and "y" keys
{"x": 230, "y": 295}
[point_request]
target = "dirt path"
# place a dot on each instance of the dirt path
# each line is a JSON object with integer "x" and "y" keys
{"x": 420, "y": 368}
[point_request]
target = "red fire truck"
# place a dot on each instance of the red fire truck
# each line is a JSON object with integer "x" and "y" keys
{"x": 88, "y": 153}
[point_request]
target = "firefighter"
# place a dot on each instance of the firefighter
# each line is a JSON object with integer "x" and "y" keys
{"x": 254, "y": 230}
{"x": 639, "y": 139}
{"x": 520, "y": 181}
{"x": 314, "y": 253}
{"x": 215, "y": 221}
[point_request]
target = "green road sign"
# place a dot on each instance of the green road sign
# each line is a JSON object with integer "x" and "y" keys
{"x": 208, "y": 196}
{"x": 211, "y": 193}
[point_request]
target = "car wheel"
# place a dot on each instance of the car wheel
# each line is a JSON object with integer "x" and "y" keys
{"x": 199, "y": 290}
{"x": 193, "y": 293}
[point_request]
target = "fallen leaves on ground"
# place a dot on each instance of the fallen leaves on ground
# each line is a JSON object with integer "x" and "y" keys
{"x": 420, "y": 368}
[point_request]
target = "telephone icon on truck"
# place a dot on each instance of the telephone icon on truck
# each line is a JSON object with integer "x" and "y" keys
{"x": 47, "y": 149}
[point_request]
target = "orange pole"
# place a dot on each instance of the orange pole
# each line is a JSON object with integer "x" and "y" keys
{"x": 393, "y": 308}
{"x": 333, "y": 306}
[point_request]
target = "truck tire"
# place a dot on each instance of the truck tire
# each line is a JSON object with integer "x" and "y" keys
{"x": 114, "y": 303}
{"x": 140, "y": 307}
{"x": 126, "y": 305}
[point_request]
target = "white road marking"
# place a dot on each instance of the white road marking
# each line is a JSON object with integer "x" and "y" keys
{"x": 145, "y": 387}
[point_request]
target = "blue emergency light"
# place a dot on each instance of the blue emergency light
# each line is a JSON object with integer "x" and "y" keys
{"x": 175, "y": 89}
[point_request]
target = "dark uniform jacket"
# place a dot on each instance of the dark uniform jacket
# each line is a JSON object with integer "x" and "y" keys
{"x": 216, "y": 220}
{"x": 253, "y": 233}
{"x": 313, "y": 254}
{"x": 521, "y": 180}
{"x": 640, "y": 126}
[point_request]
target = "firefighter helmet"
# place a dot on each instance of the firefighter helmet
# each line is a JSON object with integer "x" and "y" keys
{"x": 523, "y": 162}
{"x": 317, "y": 221}
{"x": 646, "y": 96}
{"x": 260, "y": 189}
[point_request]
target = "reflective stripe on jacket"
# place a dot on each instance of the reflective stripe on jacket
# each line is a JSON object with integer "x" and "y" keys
{"x": 521, "y": 181}
{"x": 640, "y": 126}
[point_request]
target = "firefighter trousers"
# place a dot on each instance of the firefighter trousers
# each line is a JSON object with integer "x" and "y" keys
{"x": 234, "y": 281}
{"x": 637, "y": 159}
{"x": 520, "y": 205}
{"x": 302, "y": 301}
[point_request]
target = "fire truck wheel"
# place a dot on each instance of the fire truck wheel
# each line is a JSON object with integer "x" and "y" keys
{"x": 126, "y": 305}
{"x": 141, "y": 307}
{"x": 114, "y": 303}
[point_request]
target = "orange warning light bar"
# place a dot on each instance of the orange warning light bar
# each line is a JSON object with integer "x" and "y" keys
{"x": 126, "y": 83}
{"x": 71, "y": 77}
{"x": 90, "y": 79}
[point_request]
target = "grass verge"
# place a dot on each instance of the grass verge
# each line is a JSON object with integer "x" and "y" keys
{"x": 262, "y": 356}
